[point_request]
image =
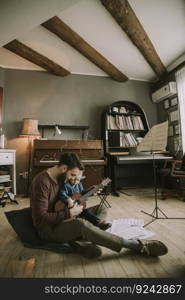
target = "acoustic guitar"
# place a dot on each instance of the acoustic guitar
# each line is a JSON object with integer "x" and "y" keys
{"x": 81, "y": 199}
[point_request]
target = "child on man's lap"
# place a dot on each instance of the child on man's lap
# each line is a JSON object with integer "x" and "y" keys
{"x": 73, "y": 187}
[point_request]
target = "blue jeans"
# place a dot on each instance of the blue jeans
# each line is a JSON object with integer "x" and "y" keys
{"x": 89, "y": 216}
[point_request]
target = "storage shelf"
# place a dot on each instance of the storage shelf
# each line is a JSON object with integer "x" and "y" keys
{"x": 171, "y": 108}
{"x": 83, "y": 128}
{"x": 129, "y": 130}
{"x": 124, "y": 114}
{"x": 116, "y": 131}
{"x": 172, "y": 96}
{"x": 52, "y": 126}
{"x": 119, "y": 147}
{"x": 4, "y": 181}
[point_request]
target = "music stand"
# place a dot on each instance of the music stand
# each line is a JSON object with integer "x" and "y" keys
{"x": 155, "y": 140}
{"x": 103, "y": 197}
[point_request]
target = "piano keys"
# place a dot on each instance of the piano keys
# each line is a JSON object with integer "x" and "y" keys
{"x": 137, "y": 159}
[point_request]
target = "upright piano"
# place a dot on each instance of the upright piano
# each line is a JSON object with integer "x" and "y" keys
{"x": 46, "y": 153}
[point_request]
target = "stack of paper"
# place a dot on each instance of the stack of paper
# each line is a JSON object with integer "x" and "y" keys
{"x": 130, "y": 229}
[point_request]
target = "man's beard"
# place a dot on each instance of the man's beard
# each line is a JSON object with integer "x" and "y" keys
{"x": 62, "y": 178}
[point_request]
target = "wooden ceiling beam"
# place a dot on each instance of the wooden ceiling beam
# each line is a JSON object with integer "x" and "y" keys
{"x": 58, "y": 27}
{"x": 38, "y": 59}
{"x": 124, "y": 15}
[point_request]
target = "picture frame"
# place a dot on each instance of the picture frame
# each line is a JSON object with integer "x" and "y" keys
{"x": 174, "y": 101}
{"x": 170, "y": 131}
{"x": 166, "y": 104}
{"x": 176, "y": 129}
{"x": 1, "y": 105}
{"x": 177, "y": 143}
{"x": 174, "y": 115}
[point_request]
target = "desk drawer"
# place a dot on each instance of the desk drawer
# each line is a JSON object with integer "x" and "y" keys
{"x": 6, "y": 158}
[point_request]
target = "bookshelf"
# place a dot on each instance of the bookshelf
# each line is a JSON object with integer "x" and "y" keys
{"x": 7, "y": 175}
{"x": 124, "y": 124}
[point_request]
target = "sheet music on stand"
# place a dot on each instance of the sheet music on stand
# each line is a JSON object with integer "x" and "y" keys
{"x": 155, "y": 139}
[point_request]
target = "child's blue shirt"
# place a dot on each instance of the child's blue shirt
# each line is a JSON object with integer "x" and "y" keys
{"x": 68, "y": 190}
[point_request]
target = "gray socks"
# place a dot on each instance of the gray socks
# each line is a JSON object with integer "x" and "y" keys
{"x": 132, "y": 244}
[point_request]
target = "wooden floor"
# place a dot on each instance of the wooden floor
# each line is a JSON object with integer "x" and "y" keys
{"x": 17, "y": 261}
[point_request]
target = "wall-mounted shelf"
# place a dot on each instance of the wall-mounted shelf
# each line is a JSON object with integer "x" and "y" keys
{"x": 127, "y": 130}
{"x": 84, "y": 128}
{"x": 124, "y": 114}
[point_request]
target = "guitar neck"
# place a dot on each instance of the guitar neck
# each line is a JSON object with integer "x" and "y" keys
{"x": 90, "y": 193}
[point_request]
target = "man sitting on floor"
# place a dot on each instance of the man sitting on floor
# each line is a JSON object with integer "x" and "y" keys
{"x": 64, "y": 226}
{"x": 72, "y": 190}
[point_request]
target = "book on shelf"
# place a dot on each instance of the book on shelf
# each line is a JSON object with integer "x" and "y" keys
{"x": 122, "y": 122}
{"x": 3, "y": 172}
{"x": 121, "y": 139}
{"x": 137, "y": 123}
{"x": 116, "y": 109}
{"x": 111, "y": 124}
{"x": 131, "y": 141}
{"x": 174, "y": 115}
{"x": 4, "y": 178}
{"x": 122, "y": 110}
{"x": 119, "y": 121}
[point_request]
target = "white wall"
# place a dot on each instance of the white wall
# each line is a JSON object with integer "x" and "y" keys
{"x": 71, "y": 100}
{"x": 20, "y": 16}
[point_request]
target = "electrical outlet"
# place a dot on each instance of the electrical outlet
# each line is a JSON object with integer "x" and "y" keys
{"x": 24, "y": 175}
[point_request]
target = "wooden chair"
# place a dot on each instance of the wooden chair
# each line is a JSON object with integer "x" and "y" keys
{"x": 173, "y": 171}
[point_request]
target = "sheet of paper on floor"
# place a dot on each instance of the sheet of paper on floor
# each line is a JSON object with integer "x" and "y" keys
{"x": 130, "y": 222}
{"x": 130, "y": 228}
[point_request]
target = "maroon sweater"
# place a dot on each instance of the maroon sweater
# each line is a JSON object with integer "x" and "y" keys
{"x": 43, "y": 197}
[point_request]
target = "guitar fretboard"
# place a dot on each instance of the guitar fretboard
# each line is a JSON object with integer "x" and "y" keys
{"x": 88, "y": 194}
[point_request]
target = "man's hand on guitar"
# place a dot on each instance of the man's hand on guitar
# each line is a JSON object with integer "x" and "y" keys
{"x": 70, "y": 203}
{"x": 101, "y": 186}
{"x": 98, "y": 192}
{"x": 59, "y": 206}
{"x": 76, "y": 210}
